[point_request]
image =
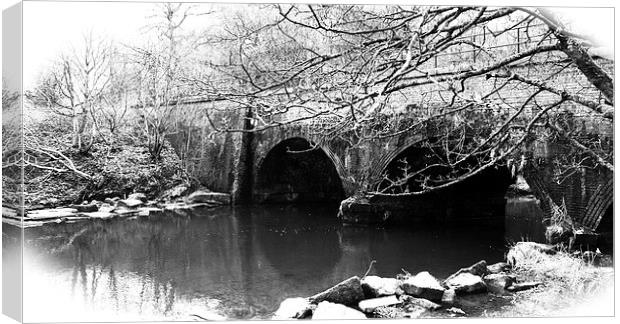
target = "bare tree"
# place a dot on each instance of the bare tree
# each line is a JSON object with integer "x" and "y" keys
{"x": 74, "y": 87}
{"x": 159, "y": 75}
{"x": 114, "y": 103}
{"x": 487, "y": 81}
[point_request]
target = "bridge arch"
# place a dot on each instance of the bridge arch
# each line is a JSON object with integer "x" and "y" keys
{"x": 297, "y": 170}
{"x": 381, "y": 164}
{"x": 479, "y": 198}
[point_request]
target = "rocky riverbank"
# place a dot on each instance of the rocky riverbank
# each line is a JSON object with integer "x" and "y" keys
{"x": 503, "y": 286}
{"x": 134, "y": 205}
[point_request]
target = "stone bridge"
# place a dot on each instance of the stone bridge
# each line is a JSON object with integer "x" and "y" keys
{"x": 293, "y": 163}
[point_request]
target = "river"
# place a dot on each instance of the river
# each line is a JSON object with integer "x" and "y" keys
{"x": 236, "y": 262}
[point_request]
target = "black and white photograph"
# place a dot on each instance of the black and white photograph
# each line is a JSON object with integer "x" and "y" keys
{"x": 230, "y": 161}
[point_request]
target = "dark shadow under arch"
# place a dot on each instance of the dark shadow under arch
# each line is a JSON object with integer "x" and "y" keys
{"x": 480, "y": 198}
{"x": 605, "y": 230}
{"x": 294, "y": 172}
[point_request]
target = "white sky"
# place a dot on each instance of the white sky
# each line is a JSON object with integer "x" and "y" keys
{"x": 53, "y": 27}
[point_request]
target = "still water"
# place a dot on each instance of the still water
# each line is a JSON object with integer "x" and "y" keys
{"x": 233, "y": 262}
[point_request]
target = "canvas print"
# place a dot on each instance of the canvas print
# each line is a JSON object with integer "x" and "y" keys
{"x": 209, "y": 161}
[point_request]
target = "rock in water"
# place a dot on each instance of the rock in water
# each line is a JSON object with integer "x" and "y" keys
{"x": 498, "y": 267}
{"x": 292, "y": 308}
{"x": 423, "y": 285}
{"x": 497, "y": 283}
{"x": 375, "y": 286}
{"x": 348, "y": 292}
{"x": 369, "y": 305}
{"x": 330, "y": 311}
{"x": 466, "y": 283}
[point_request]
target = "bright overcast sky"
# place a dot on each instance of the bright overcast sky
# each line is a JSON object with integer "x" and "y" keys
{"x": 53, "y": 27}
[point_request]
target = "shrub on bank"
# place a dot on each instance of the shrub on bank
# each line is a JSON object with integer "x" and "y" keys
{"x": 117, "y": 164}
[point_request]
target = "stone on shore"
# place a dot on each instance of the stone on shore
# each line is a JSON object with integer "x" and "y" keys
{"x": 138, "y": 195}
{"x": 209, "y": 197}
{"x": 498, "y": 267}
{"x": 85, "y": 208}
{"x": 423, "y": 285}
{"x": 375, "y": 286}
{"x": 111, "y": 201}
{"x": 126, "y": 212}
{"x": 146, "y": 211}
{"x": 106, "y": 208}
{"x": 100, "y": 215}
{"x": 466, "y": 283}
{"x": 455, "y": 310}
{"x": 421, "y": 302}
{"x": 41, "y": 214}
{"x": 130, "y": 203}
{"x": 10, "y": 212}
{"x": 331, "y": 311}
{"x": 175, "y": 192}
{"x": 293, "y": 308}
{"x": 523, "y": 286}
{"x": 497, "y": 283}
{"x": 449, "y": 297}
{"x": 348, "y": 292}
{"x": 369, "y": 305}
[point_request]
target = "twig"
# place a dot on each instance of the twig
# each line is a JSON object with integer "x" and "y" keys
{"x": 369, "y": 268}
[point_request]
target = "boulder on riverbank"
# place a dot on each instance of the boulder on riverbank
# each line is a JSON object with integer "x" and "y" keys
{"x": 137, "y": 196}
{"x": 477, "y": 269}
{"x": 85, "y": 208}
{"x": 423, "y": 285}
{"x": 348, "y": 292}
{"x": 375, "y": 286}
{"x": 130, "y": 203}
{"x": 201, "y": 196}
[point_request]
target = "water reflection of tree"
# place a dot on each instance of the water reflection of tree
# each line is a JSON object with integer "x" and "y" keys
{"x": 97, "y": 250}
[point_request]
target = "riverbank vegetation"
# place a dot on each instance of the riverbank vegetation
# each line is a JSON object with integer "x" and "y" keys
{"x": 574, "y": 283}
